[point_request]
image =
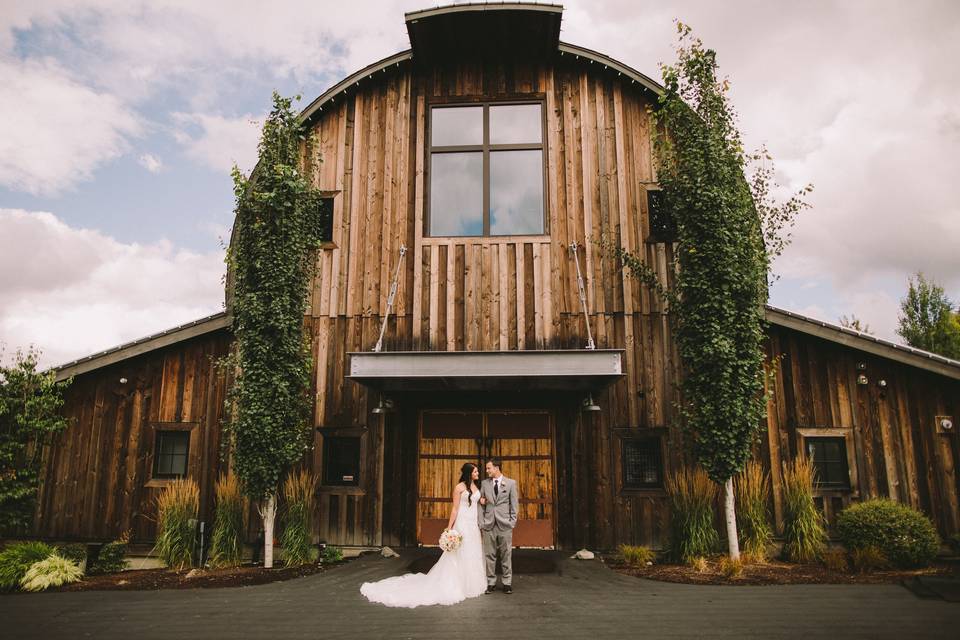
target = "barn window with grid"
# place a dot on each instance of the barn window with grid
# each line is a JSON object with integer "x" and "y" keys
{"x": 829, "y": 457}
{"x": 642, "y": 463}
{"x": 170, "y": 454}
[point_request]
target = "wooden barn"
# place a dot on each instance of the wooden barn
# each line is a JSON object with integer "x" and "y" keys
{"x": 477, "y": 168}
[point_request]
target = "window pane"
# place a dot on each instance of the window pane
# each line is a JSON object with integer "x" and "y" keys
{"x": 456, "y": 194}
{"x": 516, "y": 192}
{"x": 641, "y": 463}
{"x": 341, "y": 461}
{"x": 456, "y": 125}
{"x": 515, "y": 124}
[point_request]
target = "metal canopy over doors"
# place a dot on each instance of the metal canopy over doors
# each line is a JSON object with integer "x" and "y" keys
{"x": 523, "y": 440}
{"x": 488, "y": 370}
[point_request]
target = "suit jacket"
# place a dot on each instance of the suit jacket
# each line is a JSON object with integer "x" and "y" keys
{"x": 502, "y": 508}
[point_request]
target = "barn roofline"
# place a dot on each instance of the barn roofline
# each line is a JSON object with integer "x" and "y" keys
{"x": 918, "y": 358}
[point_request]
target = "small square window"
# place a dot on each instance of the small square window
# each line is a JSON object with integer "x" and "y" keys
{"x": 326, "y": 219}
{"x": 642, "y": 463}
{"x": 829, "y": 457}
{"x": 171, "y": 453}
{"x": 662, "y": 226}
{"x": 341, "y": 461}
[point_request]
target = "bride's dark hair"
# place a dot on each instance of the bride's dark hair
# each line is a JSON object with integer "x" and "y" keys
{"x": 466, "y": 477}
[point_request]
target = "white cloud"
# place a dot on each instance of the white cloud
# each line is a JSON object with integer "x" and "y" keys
{"x": 86, "y": 291}
{"x": 151, "y": 163}
{"x": 219, "y": 142}
{"x": 55, "y": 132}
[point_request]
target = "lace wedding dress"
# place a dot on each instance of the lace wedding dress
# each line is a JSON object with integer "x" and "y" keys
{"x": 457, "y": 575}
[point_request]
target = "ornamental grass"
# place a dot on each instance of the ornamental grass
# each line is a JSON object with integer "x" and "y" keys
{"x": 298, "y": 490}
{"x": 226, "y": 544}
{"x": 51, "y": 572}
{"x": 16, "y": 559}
{"x": 804, "y": 536}
{"x": 636, "y": 556}
{"x": 177, "y": 508}
{"x": 691, "y": 495}
{"x": 752, "y": 490}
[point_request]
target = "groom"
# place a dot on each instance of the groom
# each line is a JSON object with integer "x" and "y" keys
{"x": 500, "y": 502}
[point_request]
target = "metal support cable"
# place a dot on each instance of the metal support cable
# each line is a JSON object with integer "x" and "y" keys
{"x": 583, "y": 294}
{"x": 390, "y": 298}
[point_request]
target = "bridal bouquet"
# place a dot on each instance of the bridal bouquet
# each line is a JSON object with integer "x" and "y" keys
{"x": 450, "y": 540}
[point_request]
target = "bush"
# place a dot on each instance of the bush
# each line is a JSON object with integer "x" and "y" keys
{"x": 226, "y": 545}
{"x": 112, "y": 556}
{"x": 906, "y": 537}
{"x": 331, "y": 555}
{"x": 52, "y": 572}
{"x": 16, "y": 559}
{"x": 636, "y": 556}
{"x": 298, "y": 490}
{"x": 835, "y": 560}
{"x": 804, "y": 537}
{"x": 75, "y": 552}
{"x": 752, "y": 489}
{"x": 698, "y": 564}
{"x": 177, "y": 510}
{"x": 691, "y": 495}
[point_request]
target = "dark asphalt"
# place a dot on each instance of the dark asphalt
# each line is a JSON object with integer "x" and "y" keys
{"x": 582, "y": 599}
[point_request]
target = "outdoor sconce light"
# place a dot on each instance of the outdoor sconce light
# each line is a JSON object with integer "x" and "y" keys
{"x": 383, "y": 405}
{"x": 882, "y": 384}
{"x": 589, "y": 404}
{"x": 861, "y": 366}
{"x": 945, "y": 424}
{"x": 123, "y": 381}
{"x": 862, "y": 379}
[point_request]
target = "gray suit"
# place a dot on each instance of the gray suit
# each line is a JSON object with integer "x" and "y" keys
{"x": 497, "y": 519}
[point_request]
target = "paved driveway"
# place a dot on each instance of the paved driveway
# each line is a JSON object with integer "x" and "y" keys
{"x": 580, "y": 600}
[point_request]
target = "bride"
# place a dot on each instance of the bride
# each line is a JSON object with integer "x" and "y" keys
{"x": 458, "y": 574}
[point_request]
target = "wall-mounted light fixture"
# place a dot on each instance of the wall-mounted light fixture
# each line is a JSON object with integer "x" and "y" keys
{"x": 123, "y": 381}
{"x": 384, "y": 405}
{"x": 861, "y": 366}
{"x": 589, "y": 404}
{"x": 882, "y": 383}
{"x": 945, "y": 425}
{"x": 862, "y": 379}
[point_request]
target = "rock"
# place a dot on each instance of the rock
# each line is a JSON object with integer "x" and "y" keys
{"x": 387, "y": 552}
{"x": 583, "y": 554}
{"x": 649, "y": 564}
{"x": 193, "y": 573}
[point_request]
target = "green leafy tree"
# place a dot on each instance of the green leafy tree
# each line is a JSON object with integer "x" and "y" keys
{"x": 30, "y": 403}
{"x": 277, "y": 227}
{"x": 729, "y": 230}
{"x": 927, "y": 318}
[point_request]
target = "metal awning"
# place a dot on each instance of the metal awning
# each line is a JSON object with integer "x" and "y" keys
{"x": 487, "y": 370}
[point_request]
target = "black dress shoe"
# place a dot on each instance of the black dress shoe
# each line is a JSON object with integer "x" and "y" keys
{"x": 507, "y": 588}
{"x": 491, "y": 588}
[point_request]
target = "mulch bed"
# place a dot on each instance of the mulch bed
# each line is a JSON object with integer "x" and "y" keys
{"x": 155, "y": 579}
{"x": 775, "y": 572}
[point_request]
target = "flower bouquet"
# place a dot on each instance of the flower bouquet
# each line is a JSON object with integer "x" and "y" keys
{"x": 450, "y": 540}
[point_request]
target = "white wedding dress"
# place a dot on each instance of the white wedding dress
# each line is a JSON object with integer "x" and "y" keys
{"x": 457, "y": 575}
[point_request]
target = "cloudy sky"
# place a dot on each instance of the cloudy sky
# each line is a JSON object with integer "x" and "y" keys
{"x": 120, "y": 119}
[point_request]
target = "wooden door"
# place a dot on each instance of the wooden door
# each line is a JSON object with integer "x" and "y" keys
{"x": 524, "y": 443}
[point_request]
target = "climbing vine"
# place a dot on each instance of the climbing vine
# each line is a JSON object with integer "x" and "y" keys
{"x": 728, "y": 231}
{"x": 277, "y": 227}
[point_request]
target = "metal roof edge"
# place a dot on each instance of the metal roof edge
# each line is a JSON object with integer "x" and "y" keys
{"x": 865, "y": 342}
{"x": 201, "y": 326}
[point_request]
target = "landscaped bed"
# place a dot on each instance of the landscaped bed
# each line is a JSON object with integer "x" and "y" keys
{"x": 155, "y": 579}
{"x": 776, "y": 572}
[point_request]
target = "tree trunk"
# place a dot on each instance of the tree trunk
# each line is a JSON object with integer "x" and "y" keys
{"x": 268, "y": 513}
{"x": 733, "y": 543}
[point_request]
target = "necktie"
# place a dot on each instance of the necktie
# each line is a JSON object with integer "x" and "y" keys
{"x": 496, "y": 488}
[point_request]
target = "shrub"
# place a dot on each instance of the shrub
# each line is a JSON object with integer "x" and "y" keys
{"x": 331, "y": 555}
{"x": 75, "y": 552}
{"x": 51, "y": 572}
{"x": 729, "y": 567}
{"x": 752, "y": 490}
{"x": 177, "y": 508}
{"x": 691, "y": 495}
{"x": 112, "y": 556}
{"x": 298, "y": 489}
{"x": 869, "y": 558}
{"x": 226, "y": 545}
{"x": 636, "y": 556}
{"x": 835, "y": 560}
{"x": 906, "y": 537}
{"x": 804, "y": 537}
{"x": 16, "y": 559}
